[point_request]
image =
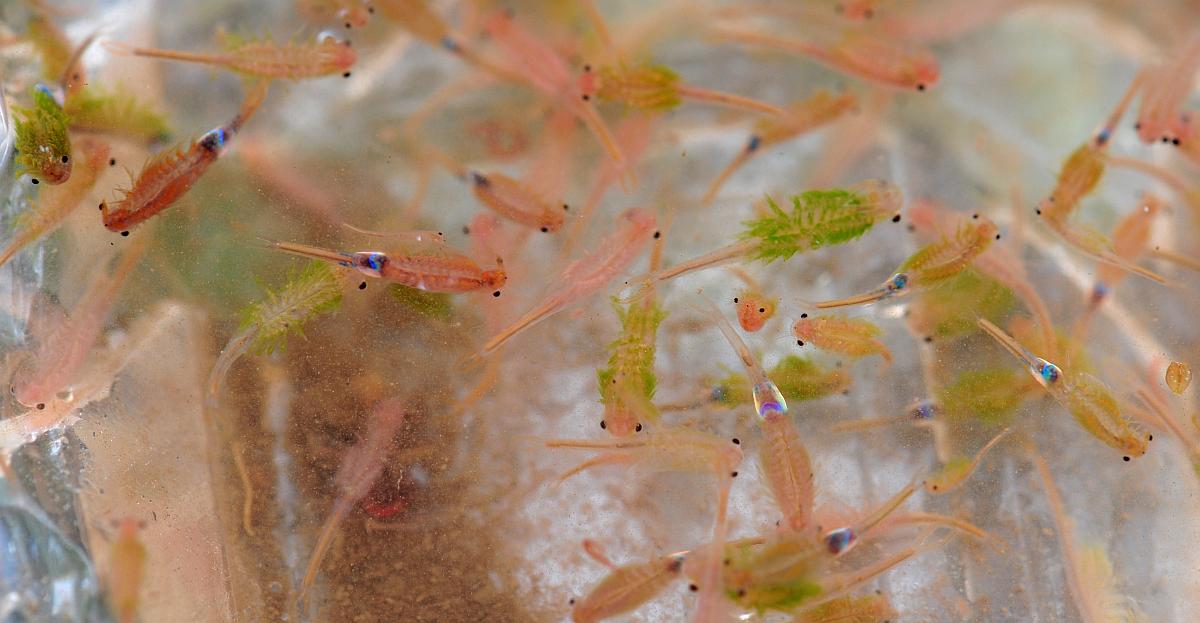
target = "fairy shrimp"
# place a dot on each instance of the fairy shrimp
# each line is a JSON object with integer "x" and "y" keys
{"x": 1130, "y": 240}
{"x": 546, "y": 71}
{"x": 957, "y": 470}
{"x": 414, "y": 260}
{"x": 931, "y": 265}
{"x": 169, "y": 175}
{"x": 1085, "y": 397}
{"x": 510, "y": 198}
{"x": 263, "y": 58}
{"x": 626, "y": 588}
{"x": 56, "y": 203}
{"x": 360, "y": 468}
{"x": 1164, "y": 90}
{"x": 661, "y": 451}
{"x": 754, "y": 308}
{"x": 657, "y": 87}
{"x": 869, "y": 56}
{"x": 854, "y": 337}
{"x": 416, "y": 17}
{"x": 589, "y": 274}
{"x": 43, "y": 143}
{"x": 818, "y": 218}
{"x": 819, "y": 109}
{"x": 59, "y": 357}
{"x": 857, "y": 609}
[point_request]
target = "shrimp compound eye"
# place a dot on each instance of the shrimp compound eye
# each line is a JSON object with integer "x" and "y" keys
{"x": 1048, "y": 373}
{"x": 370, "y": 262}
{"x": 840, "y": 540}
{"x": 898, "y": 282}
{"x": 768, "y": 399}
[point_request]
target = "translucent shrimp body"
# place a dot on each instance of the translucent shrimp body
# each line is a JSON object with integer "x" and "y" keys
{"x": 422, "y": 264}
{"x": 264, "y": 58}
{"x": 626, "y": 588}
{"x": 855, "y": 337}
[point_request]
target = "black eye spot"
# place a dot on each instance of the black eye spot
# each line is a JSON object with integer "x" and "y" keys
{"x": 496, "y": 294}
{"x": 603, "y": 424}
{"x": 896, "y": 219}
{"x": 733, "y": 474}
{"x": 804, "y": 315}
{"x": 125, "y": 233}
{"x": 362, "y": 286}
{"x": 735, "y": 299}
{"x": 762, "y": 310}
{"x": 42, "y": 405}
{"x": 566, "y": 208}
{"x": 571, "y": 602}
{"x": 346, "y": 75}
{"x": 928, "y": 339}
{"x": 920, "y": 87}
{"x": 586, "y": 97}
{"x": 737, "y": 442}
{"x": 466, "y": 230}
{"x": 587, "y": 67}
{"x": 545, "y": 229}
{"x": 657, "y": 235}
{"x": 347, "y": 25}
{"x": 66, "y": 159}
{"x": 799, "y": 342}
{"x": 1125, "y": 458}
{"x": 638, "y": 428}
{"x": 997, "y": 236}
{"x": 112, "y": 162}
{"x": 693, "y": 587}
{"x": 1175, "y": 142}
{"x": 35, "y": 181}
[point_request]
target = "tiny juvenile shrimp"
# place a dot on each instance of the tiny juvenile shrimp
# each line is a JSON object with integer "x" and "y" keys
{"x": 360, "y": 468}
{"x": 627, "y": 587}
{"x": 754, "y": 308}
{"x": 658, "y": 87}
{"x": 415, "y": 261}
{"x": 869, "y": 56}
{"x": 957, "y": 470}
{"x": 55, "y": 204}
{"x": 43, "y": 144}
{"x": 587, "y": 275}
{"x": 1086, "y": 398}
{"x": 931, "y": 265}
{"x": 263, "y": 58}
{"x": 854, "y": 337}
{"x": 819, "y": 109}
{"x": 60, "y": 356}
{"x": 126, "y": 570}
{"x": 169, "y": 175}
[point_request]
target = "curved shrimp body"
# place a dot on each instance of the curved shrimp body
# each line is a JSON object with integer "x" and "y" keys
{"x": 855, "y": 337}
{"x": 668, "y": 451}
{"x": 1093, "y": 406}
{"x": 516, "y": 202}
{"x": 170, "y": 174}
{"x": 1079, "y": 176}
{"x": 43, "y": 143}
{"x": 626, "y": 588}
{"x": 264, "y": 58}
{"x": 1130, "y": 239}
{"x": 429, "y": 266}
{"x": 163, "y": 180}
{"x": 788, "y": 470}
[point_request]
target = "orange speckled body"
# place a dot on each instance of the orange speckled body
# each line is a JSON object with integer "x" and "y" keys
{"x": 292, "y": 61}
{"x": 855, "y": 337}
{"x": 754, "y": 310}
{"x": 516, "y": 202}
{"x": 163, "y": 181}
{"x": 441, "y": 272}
{"x": 626, "y": 588}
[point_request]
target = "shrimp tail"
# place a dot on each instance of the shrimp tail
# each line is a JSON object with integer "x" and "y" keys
{"x": 67, "y": 79}
{"x": 125, "y": 49}
{"x": 715, "y": 186}
{"x": 618, "y": 458}
{"x": 340, "y": 510}
{"x": 303, "y": 250}
{"x": 730, "y": 100}
{"x": 534, "y": 316}
{"x": 865, "y": 298}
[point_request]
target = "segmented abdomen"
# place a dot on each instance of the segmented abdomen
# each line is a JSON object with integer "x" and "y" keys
{"x": 159, "y": 186}
{"x": 283, "y": 61}
{"x": 435, "y": 274}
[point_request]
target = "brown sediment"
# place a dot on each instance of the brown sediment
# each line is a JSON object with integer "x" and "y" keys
{"x": 437, "y": 559}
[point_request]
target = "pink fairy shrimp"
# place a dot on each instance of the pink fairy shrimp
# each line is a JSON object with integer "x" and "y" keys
{"x": 869, "y": 56}
{"x": 416, "y": 260}
{"x": 589, "y": 274}
{"x": 62, "y": 353}
{"x": 854, "y": 337}
{"x": 172, "y": 173}
{"x": 263, "y": 58}
{"x": 360, "y": 468}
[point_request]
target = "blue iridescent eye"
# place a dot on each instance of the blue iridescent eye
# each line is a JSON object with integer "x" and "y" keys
{"x": 925, "y": 410}
{"x": 1048, "y": 372}
{"x": 719, "y": 393}
{"x": 898, "y": 281}
{"x": 840, "y": 540}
